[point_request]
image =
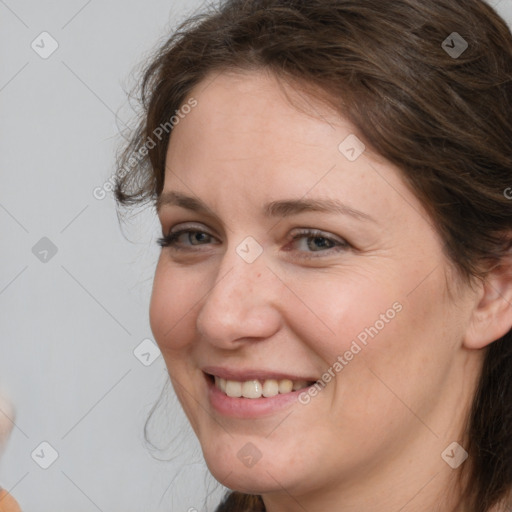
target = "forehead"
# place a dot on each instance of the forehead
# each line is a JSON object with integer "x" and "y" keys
{"x": 264, "y": 112}
{"x": 251, "y": 122}
{"x": 257, "y": 137}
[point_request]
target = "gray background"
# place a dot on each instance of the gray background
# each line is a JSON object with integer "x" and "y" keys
{"x": 70, "y": 324}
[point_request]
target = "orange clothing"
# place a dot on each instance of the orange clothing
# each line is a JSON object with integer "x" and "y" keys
{"x": 8, "y": 503}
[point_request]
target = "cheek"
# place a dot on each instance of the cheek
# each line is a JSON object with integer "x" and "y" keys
{"x": 407, "y": 342}
{"x": 171, "y": 307}
{"x": 344, "y": 313}
{"x": 369, "y": 327}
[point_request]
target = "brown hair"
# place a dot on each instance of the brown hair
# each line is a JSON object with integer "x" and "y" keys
{"x": 443, "y": 118}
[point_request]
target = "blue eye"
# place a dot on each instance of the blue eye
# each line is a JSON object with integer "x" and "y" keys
{"x": 315, "y": 241}
{"x": 172, "y": 239}
{"x": 319, "y": 242}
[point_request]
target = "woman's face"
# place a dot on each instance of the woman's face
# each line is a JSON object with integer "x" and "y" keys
{"x": 272, "y": 284}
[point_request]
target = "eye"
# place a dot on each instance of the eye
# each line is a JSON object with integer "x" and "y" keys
{"x": 314, "y": 241}
{"x": 175, "y": 239}
{"x": 311, "y": 241}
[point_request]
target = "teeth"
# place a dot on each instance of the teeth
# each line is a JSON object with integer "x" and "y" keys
{"x": 233, "y": 388}
{"x": 285, "y": 386}
{"x": 257, "y": 389}
{"x": 252, "y": 389}
{"x": 270, "y": 388}
{"x": 299, "y": 385}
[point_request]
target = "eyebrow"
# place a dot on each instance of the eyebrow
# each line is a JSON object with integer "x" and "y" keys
{"x": 282, "y": 208}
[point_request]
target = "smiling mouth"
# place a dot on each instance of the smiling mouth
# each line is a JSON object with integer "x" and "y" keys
{"x": 257, "y": 388}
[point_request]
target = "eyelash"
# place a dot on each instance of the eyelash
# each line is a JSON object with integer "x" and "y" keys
{"x": 170, "y": 240}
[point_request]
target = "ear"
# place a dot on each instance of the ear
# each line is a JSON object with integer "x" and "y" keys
{"x": 491, "y": 317}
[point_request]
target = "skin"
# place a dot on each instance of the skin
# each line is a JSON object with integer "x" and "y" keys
{"x": 372, "y": 438}
{"x": 7, "y": 414}
{"x": 7, "y": 417}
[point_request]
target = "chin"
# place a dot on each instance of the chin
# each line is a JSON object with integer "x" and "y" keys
{"x": 250, "y": 482}
{"x": 231, "y": 473}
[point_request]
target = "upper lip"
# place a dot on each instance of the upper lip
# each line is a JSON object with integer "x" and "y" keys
{"x": 252, "y": 374}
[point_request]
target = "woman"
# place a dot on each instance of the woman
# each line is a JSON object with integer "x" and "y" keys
{"x": 333, "y": 295}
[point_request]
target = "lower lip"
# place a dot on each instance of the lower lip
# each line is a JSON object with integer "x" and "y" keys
{"x": 248, "y": 408}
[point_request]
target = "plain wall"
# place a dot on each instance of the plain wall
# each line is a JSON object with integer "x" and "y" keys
{"x": 70, "y": 325}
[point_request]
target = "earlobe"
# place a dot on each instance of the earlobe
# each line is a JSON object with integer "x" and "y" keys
{"x": 491, "y": 317}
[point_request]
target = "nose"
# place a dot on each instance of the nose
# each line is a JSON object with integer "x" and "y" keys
{"x": 242, "y": 303}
